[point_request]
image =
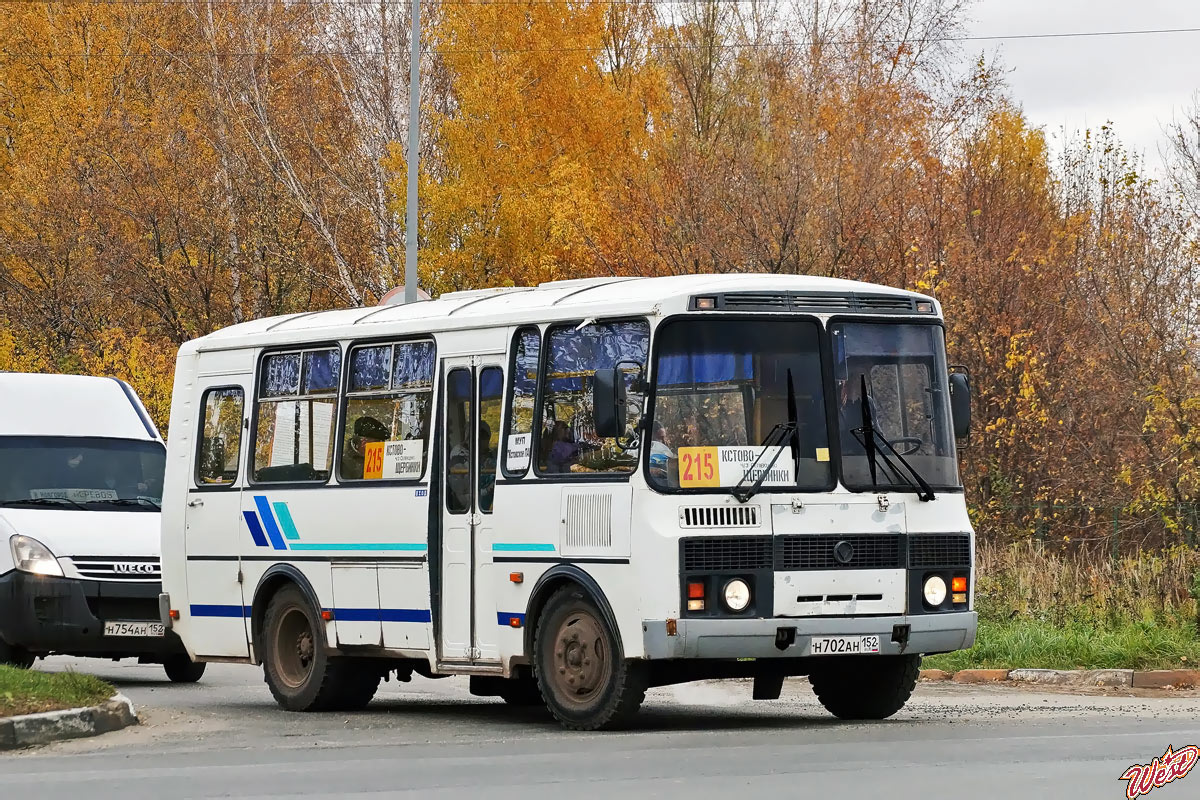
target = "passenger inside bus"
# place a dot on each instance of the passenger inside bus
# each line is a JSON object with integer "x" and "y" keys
{"x": 564, "y": 450}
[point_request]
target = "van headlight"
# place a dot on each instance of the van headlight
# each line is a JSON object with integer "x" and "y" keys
{"x": 30, "y": 555}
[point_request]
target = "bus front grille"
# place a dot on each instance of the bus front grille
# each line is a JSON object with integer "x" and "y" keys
{"x": 836, "y": 551}
{"x": 939, "y": 550}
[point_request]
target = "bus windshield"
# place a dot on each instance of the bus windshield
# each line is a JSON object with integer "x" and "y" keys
{"x": 723, "y": 385}
{"x": 904, "y": 369}
{"x": 81, "y": 473}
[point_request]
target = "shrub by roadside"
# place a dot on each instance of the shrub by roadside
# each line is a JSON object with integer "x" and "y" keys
{"x": 1034, "y": 644}
{"x": 31, "y": 692}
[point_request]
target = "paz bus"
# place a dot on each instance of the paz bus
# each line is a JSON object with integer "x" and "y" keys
{"x": 575, "y": 492}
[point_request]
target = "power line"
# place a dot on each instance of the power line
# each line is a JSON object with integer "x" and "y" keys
{"x": 582, "y": 49}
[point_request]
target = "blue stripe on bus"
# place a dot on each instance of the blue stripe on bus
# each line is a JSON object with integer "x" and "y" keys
{"x": 285, "y": 519}
{"x": 382, "y": 614}
{"x": 268, "y": 521}
{"x": 530, "y": 547}
{"x": 220, "y": 611}
{"x": 256, "y": 531}
{"x": 408, "y": 546}
{"x": 505, "y": 619}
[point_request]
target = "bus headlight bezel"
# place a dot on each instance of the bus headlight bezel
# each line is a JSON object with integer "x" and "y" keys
{"x": 934, "y": 590}
{"x": 32, "y": 557}
{"x": 736, "y": 595}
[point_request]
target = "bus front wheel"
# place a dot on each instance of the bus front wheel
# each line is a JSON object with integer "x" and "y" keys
{"x": 300, "y": 674}
{"x": 581, "y": 670}
{"x": 865, "y": 687}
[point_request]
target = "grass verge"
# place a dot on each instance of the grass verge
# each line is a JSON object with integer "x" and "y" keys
{"x": 1034, "y": 644}
{"x": 30, "y": 692}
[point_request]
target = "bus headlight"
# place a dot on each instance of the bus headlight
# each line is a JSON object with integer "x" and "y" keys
{"x": 935, "y": 590}
{"x": 737, "y": 595}
{"x": 30, "y": 555}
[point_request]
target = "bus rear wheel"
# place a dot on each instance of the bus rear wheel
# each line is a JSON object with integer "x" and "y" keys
{"x": 866, "y": 687}
{"x": 581, "y": 670}
{"x": 298, "y": 671}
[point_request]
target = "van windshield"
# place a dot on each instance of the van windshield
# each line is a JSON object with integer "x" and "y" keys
{"x": 81, "y": 473}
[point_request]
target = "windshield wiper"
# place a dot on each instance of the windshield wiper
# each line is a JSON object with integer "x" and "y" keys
{"x": 132, "y": 501}
{"x": 774, "y": 439}
{"x": 867, "y": 436}
{"x": 43, "y": 501}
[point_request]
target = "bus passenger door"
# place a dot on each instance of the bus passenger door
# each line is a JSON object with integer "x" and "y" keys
{"x": 472, "y": 411}
{"x": 213, "y": 519}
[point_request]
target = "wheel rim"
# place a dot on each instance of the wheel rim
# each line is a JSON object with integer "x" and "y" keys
{"x": 582, "y": 665}
{"x": 295, "y": 648}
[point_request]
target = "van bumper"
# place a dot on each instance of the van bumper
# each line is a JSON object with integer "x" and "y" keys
{"x": 62, "y": 616}
{"x": 761, "y": 638}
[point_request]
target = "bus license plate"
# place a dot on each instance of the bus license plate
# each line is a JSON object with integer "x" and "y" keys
{"x": 843, "y": 645}
{"x": 140, "y": 629}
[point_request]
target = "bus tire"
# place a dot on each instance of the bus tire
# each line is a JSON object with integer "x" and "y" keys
{"x": 358, "y": 686}
{"x": 866, "y": 687}
{"x": 296, "y": 668}
{"x": 181, "y": 669}
{"x": 582, "y": 673}
{"x": 12, "y": 655}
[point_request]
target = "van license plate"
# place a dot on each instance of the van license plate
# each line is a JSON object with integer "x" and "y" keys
{"x": 843, "y": 645}
{"x": 142, "y": 629}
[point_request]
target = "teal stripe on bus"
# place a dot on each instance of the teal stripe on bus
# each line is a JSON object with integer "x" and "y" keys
{"x": 518, "y": 547}
{"x": 286, "y": 522}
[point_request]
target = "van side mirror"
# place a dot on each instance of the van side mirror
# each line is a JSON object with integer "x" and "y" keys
{"x": 608, "y": 403}
{"x": 960, "y": 403}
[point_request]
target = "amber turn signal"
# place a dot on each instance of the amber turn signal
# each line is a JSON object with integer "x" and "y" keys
{"x": 173, "y": 613}
{"x": 327, "y": 615}
{"x": 695, "y": 591}
{"x": 958, "y": 585}
{"x": 514, "y": 622}
{"x": 516, "y": 577}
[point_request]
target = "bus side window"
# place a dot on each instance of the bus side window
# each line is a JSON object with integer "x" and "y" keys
{"x": 522, "y": 391}
{"x": 296, "y": 412}
{"x": 567, "y": 440}
{"x": 387, "y": 408}
{"x": 220, "y": 437}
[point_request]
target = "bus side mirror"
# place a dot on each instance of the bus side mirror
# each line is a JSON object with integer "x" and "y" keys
{"x": 608, "y": 403}
{"x": 960, "y": 403}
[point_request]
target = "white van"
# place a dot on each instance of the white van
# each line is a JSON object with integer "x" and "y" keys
{"x": 81, "y": 475}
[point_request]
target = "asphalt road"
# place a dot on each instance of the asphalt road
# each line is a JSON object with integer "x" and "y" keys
{"x": 431, "y": 739}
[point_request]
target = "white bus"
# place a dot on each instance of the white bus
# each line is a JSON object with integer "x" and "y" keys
{"x": 575, "y": 492}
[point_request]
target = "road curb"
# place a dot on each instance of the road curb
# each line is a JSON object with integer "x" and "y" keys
{"x": 74, "y": 723}
{"x": 1089, "y": 678}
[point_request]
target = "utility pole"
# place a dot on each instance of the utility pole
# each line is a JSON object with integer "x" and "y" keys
{"x": 414, "y": 140}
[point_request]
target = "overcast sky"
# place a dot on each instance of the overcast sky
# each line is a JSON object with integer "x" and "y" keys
{"x": 1137, "y": 82}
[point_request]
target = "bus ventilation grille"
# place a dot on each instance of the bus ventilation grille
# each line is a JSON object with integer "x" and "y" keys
{"x": 588, "y": 520}
{"x": 939, "y": 550}
{"x": 718, "y": 516}
{"x": 725, "y": 553}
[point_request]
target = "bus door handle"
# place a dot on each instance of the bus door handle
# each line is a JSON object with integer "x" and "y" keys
{"x": 196, "y": 501}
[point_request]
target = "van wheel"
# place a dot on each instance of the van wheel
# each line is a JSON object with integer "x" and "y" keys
{"x": 13, "y": 656}
{"x": 181, "y": 669}
{"x": 581, "y": 669}
{"x": 299, "y": 673}
{"x": 866, "y": 687}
